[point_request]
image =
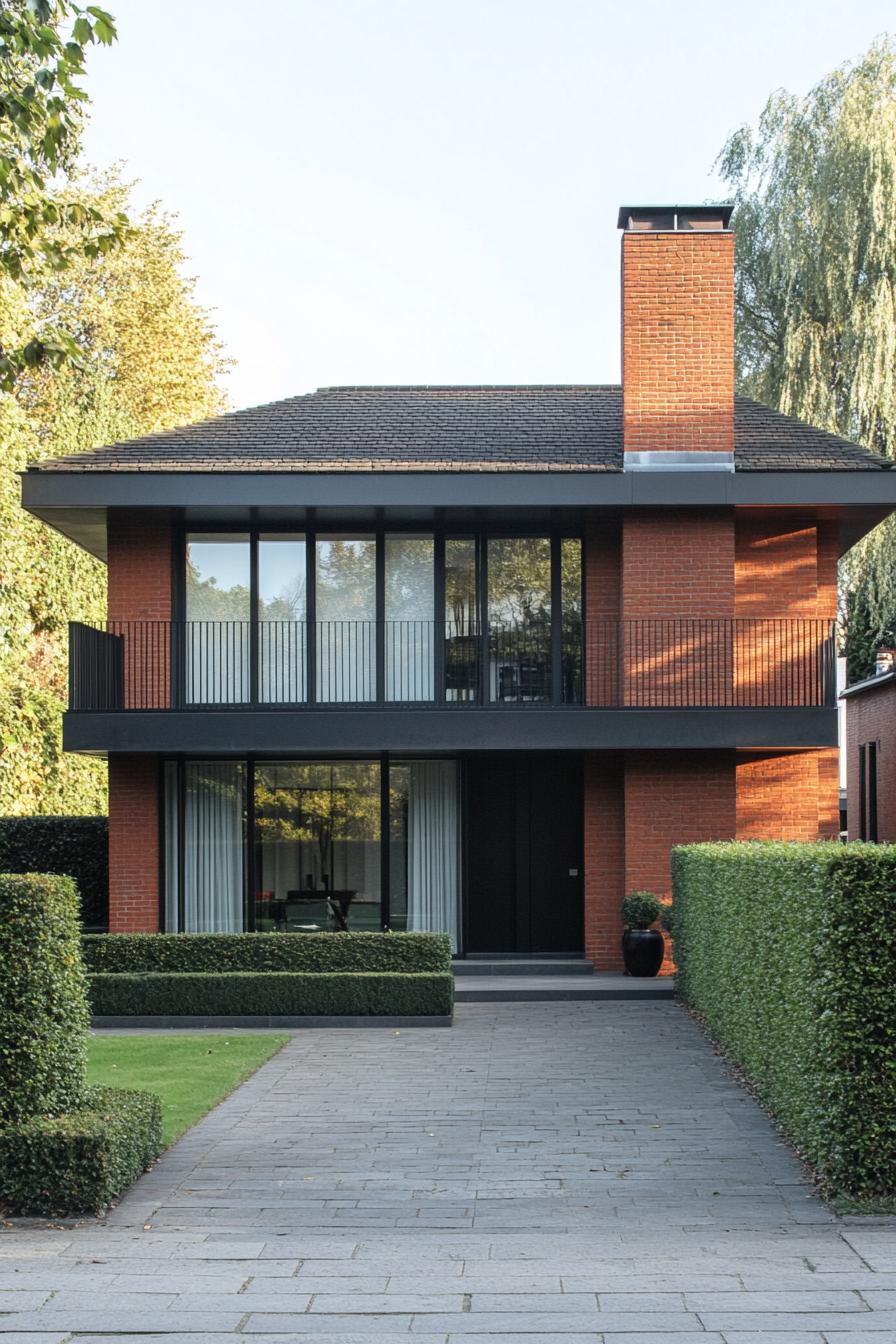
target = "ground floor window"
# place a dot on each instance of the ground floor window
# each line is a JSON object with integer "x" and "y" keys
{"x": 312, "y": 846}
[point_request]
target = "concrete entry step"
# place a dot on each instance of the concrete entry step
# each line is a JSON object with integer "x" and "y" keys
{"x": 555, "y": 966}
{"x": 536, "y": 988}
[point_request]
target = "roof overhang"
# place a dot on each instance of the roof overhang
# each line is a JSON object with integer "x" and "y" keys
{"x": 77, "y": 503}
{"x": 869, "y": 684}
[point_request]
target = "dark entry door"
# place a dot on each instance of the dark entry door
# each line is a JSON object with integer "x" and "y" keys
{"x": 523, "y": 846}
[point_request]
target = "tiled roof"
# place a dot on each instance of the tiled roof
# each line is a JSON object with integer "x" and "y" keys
{"x": 550, "y": 428}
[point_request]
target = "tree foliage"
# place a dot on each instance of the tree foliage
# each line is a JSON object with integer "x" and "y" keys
{"x": 150, "y": 360}
{"x": 45, "y": 226}
{"x": 815, "y": 214}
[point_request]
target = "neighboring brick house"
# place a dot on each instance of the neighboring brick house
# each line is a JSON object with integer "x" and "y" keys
{"x": 871, "y": 755}
{"x": 470, "y": 658}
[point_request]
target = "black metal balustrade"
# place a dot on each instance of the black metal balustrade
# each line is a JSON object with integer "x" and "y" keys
{"x": 642, "y": 664}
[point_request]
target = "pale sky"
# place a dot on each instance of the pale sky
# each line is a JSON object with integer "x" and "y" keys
{"x": 425, "y": 191}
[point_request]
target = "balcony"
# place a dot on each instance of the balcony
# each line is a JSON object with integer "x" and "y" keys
{"x": 676, "y": 663}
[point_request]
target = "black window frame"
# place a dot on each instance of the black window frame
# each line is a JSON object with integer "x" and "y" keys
{"x": 868, "y": 791}
{"x": 312, "y": 529}
{"x": 251, "y": 760}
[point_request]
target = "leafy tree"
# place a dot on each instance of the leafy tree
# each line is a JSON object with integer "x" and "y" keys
{"x": 44, "y": 227}
{"x": 151, "y": 360}
{"x": 815, "y": 213}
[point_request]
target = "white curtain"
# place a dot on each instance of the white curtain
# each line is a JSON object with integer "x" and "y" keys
{"x": 172, "y": 821}
{"x": 214, "y": 807}
{"x": 433, "y": 848}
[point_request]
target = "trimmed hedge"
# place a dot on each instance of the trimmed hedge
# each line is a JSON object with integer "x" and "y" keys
{"x": 273, "y": 993}
{"x": 43, "y": 1004}
{"x": 788, "y": 952}
{"x": 79, "y": 1162}
{"x": 316, "y": 952}
{"x": 77, "y": 847}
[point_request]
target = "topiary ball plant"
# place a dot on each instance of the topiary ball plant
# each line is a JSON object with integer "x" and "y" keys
{"x": 641, "y": 909}
{"x": 642, "y": 946}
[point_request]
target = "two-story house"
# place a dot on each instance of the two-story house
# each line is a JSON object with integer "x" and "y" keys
{"x": 468, "y": 658}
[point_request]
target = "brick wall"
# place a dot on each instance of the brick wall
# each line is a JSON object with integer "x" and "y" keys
{"x": 776, "y": 566}
{"x": 785, "y": 565}
{"x": 871, "y": 717}
{"x": 139, "y": 590}
{"x": 678, "y": 563}
{"x": 602, "y": 570}
{"x": 787, "y": 795}
{"x": 678, "y": 341}
{"x": 673, "y": 798}
{"x": 133, "y": 844}
{"x": 677, "y": 573}
{"x": 139, "y": 566}
{"x": 604, "y": 858}
{"x": 785, "y": 593}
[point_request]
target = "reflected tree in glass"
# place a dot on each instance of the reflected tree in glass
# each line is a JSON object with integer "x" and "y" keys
{"x": 281, "y": 619}
{"x": 409, "y": 580}
{"x": 519, "y": 608}
{"x": 346, "y": 618}
{"x": 218, "y": 612}
{"x": 317, "y": 831}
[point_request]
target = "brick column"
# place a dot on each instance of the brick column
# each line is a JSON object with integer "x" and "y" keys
{"x": 602, "y": 566}
{"x": 604, "y": 858}
{"x": 677, "y": 584}
{"x": 139, "y": 579}
{"x": 139, "y": 565}
{"x": 134, "y": 876}
{"x": 673, "y": 798}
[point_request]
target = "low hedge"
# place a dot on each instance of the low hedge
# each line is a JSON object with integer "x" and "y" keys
{"x": 273, "y": 994}
{"x": 787, "y": 951}
{"x": 77, "y": 847}
{"x": 79, "y": 1162}
{"x": 316, "y": 952}
{"x": 43, "y": 1006}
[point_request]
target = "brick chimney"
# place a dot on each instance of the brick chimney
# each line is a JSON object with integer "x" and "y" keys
{"x": 677, "y": 337}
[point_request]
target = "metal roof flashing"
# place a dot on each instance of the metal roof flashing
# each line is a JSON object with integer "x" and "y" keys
{"x": 678, "y": 460}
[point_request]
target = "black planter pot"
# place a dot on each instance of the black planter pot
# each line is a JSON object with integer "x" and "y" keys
{"x": 642, "y": 951}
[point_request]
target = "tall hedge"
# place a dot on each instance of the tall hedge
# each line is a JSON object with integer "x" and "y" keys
{"x": 75, "y": 846}
{"x": 788, "y": 952}
{"x": 43, "y": 997}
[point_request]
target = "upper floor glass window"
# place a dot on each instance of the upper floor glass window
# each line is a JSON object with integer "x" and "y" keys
{"x": 282, "y": 609}
{"x": 397, "y": 617}
{"x": 462, "y": 633}
{"x": 519, "y": 615}
{"x": 346, "y": 617}
{"x": 408, "y": 609}
{"x": 217, "y": 637}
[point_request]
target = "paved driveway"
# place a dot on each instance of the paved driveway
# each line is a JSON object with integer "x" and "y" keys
{"x": 540, "y": 1173}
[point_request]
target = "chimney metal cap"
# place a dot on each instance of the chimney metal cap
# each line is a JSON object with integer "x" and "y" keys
{"x": 674, "y": 218}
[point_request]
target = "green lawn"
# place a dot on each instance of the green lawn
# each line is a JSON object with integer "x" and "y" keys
{"x": 191, "y": 1073}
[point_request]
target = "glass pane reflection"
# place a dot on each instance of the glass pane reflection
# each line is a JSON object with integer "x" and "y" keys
{"x": 317, "y": 836}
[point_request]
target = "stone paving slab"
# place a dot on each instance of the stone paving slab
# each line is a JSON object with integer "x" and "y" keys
{"x": 544, "y": 1173}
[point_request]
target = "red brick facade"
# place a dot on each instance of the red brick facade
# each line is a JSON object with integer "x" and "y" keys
{"x": 871, "y": 719}
{"x": 140, "y": 587}
{"x": 134, "y": 879}
{"x": 678, "y": 341}
{"x": 693, "y": 565}
{"x": 748, "y": 572}
{"x": 139, "y": 566}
